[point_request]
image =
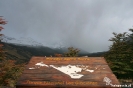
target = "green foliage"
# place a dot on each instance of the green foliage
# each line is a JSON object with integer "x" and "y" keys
{"x": 9, "y": 71}
{"x": 71, "y": 52}
{"x": 120, "y": 54}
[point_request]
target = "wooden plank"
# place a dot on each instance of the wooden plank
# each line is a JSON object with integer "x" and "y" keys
{"x": 59, "y": 77}
{"x": 68, "y": 60}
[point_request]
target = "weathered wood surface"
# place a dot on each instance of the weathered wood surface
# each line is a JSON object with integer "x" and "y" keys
{"x": 94, "y": 71}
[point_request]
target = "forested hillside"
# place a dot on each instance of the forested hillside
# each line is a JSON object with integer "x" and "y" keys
{"x": 23, "y": 53}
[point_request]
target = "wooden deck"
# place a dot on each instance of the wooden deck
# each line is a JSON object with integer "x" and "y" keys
{"x": 67, "y": 72}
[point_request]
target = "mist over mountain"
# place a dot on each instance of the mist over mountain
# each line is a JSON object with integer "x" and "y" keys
{"x": 21, "y": 41}
{"x": 32, "y": 43}
{"x": 22, "y": 52}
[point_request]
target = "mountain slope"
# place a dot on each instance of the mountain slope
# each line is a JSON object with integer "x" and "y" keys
{"x": 21, "y": 41}
{"x": 16, "y": 53}
{"x": 24, "y": 53}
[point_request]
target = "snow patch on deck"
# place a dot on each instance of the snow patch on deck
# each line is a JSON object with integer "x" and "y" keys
{"x": 71, "y": 70}
{"x": 41, "y": 64}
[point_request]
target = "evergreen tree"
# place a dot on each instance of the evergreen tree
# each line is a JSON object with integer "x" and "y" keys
{"x": 71, "y": 52}
{"x": 120, "y": 55}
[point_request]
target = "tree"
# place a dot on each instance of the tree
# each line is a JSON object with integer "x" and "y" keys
{"x": 58, "y": 55}
{"x": 71, "y": 52}
{"x": 9, "y": 71}
{"x": 2, "y": 55}
{"x": 120, "y": 54}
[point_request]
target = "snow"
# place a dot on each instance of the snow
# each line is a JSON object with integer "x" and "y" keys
{"x": 90, "y": 70}
{"x": 21, "y": 41}
{"x": 27, "y": 41}
{"x": 41, "y": 64}
{"x": 71, "y": 70}
{"x": 32, "y": 68}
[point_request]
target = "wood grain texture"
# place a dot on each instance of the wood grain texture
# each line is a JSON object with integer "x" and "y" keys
{"x": 35, "y": 76}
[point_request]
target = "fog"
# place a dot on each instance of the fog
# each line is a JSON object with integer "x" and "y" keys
{"x": 85, "y": 24}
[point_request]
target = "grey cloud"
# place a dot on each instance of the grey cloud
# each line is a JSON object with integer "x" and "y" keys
{"x": 85, "y": 24}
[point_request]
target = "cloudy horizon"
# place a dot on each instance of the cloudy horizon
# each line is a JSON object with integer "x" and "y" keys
{"x": 85, "y": 24}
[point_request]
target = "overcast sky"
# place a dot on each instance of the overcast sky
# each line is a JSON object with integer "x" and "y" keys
{"x": 86, "y": 24}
